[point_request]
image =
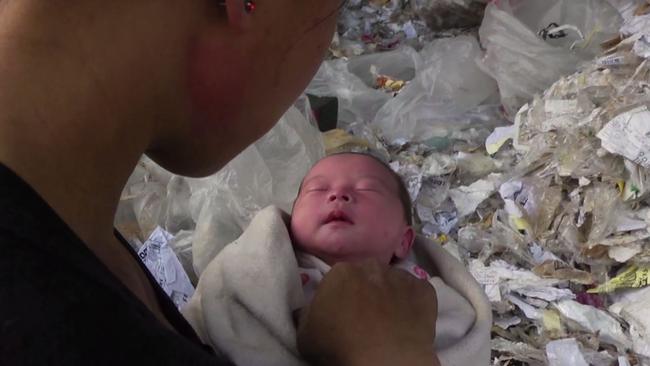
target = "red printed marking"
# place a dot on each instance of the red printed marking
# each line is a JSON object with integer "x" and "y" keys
{"x": 304, "y": 278}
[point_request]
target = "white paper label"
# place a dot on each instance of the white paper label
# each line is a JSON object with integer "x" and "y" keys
{"x": 488, "y": 278}
{"x": 409, "y": 30}
{"x": 498, "y": 138}
{"x": 611, "y": 60}
{"x": 628, "y": 135}
{"x": 160, "y": 259}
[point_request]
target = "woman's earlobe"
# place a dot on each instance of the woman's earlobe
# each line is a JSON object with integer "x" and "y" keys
{"x": 249, "y": 5}
{"x": 238, "y": 11}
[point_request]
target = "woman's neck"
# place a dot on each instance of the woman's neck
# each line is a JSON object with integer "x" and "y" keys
{"x": 68, "y": 128}
{"x": 71, "y": 145}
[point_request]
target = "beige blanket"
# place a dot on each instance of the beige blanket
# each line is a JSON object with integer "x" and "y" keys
{"x": 245, "y": 299}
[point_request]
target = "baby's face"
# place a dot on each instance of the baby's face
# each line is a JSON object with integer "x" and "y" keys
{"x": 348, "y": 210}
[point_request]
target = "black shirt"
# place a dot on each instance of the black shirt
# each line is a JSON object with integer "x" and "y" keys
{"x": 60, "y": 305}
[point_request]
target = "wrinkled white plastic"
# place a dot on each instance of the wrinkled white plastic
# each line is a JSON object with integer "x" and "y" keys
{"x": 178, "y": 216}
{"x": 564, "y": 352}
{"x": 357, "y": 101}
{"x": 444, "y": 14}
{"x": 142, "y": 205}
{"x": 400, "y": 64}
{"x": 447, "y": 84}
{"x": 521, "y": 61}
{"x": 625, "y": 7}
{"x": 594, "y": 320}
{"x": 632, "y": 306}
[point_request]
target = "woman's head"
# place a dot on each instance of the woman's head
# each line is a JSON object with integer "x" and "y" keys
{"x": 243, "y": 72}
{"x": 202, "y": 78}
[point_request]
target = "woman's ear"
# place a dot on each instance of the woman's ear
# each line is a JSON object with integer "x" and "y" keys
{"x": 408, "y": 237}
{"x": 238, "y": 16}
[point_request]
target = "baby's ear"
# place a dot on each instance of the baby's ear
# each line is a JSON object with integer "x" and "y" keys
{"x": 408, "y": 237}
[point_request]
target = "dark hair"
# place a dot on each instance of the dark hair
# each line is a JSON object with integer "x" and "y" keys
{"x": 402, "y": 192}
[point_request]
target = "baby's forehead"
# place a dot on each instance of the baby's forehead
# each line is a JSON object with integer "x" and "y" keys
{"x": 353, "y": 166}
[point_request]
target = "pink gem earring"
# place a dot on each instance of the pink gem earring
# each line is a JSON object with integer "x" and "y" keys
{"x": 249, "y": 6}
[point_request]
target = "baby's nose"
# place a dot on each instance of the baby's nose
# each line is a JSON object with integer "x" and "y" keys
{"x": 338, "y": 196}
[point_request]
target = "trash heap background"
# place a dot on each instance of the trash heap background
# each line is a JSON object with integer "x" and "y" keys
{"x": 522, "y": 130}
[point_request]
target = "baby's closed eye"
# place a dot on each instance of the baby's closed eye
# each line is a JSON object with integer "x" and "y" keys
{"x": 316, "y": 189}
{"x": 375, "y": 190}
{"x": 369, "y": 187}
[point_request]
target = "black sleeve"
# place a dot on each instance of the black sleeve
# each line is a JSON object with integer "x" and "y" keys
{"x": 52, "y": 312}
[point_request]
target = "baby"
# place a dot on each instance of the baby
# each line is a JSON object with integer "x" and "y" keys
{"x": 350, "y": 207}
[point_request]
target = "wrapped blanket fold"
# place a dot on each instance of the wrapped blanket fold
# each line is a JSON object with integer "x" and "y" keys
{"x": 243, "y": 305}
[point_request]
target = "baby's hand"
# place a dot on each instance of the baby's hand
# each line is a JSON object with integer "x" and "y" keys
{"x": 369, "y": 314}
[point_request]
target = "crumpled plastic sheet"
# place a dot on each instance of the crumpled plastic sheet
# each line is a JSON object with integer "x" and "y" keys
{"x": 632, "y": 305}
{"x": 446, "y": 14}
{"x": 448, "y": 85}
{"x": 576, "y": 146}
{"x": 357, "y": 101}
{"x": 578, "y": 161}
{"x": 370, "y": 26}
{"x": 565, "y": 352}
{"x": 594, "y": 320}
{"x": 444, "y": 92}
{"x": 544, "y": 212}
{"x": 517, "y": 351}
{"x": 217, "y": 209}
{"x": 522, "y": 62}
{"x": 143, "y": 202}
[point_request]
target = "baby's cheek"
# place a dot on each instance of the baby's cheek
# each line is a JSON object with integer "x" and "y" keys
{"x": 298, "y": 227}
{"x": 380, "y": 224}
{"x": 304, "y": 214}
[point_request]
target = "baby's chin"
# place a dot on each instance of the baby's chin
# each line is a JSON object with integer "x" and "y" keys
{"x": 329, "y": 247}
{"x": 332, "y": 251}
{"x": 333, "y": 258}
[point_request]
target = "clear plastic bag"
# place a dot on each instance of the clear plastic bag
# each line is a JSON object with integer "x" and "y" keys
{"x": 357, "y": 101}
{"x": 525, "y": 63}
{"x": 564, "y": 352}
{"x": 604, "y": 204}
{"x": 400, "y": 64}
{"x": 142, "y": 205}
{"x": 588, "y": 318}
{"x": 445, "y": 14}
{"x": 531, "y": 204}
{"x": 447, "y": 85}
{"x": 182, "y": 245}
{"x": 178, "y": 215}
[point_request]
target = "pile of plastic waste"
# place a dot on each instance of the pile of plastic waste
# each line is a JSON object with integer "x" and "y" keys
{"x": 522, "y": 131}
{"x": 369, "y": 26}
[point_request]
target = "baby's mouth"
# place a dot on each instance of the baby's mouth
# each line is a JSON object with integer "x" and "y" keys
{"x": 337, "y": 216}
